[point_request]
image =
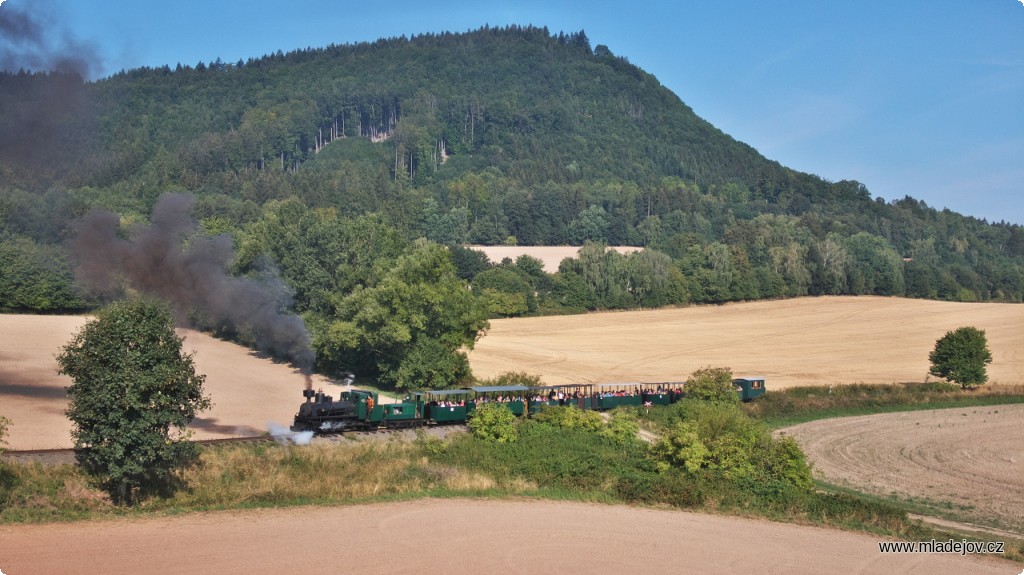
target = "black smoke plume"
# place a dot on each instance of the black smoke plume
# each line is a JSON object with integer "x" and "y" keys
{"x": 167, "y": 259}
{"x": 33, "y": 40}
{"x": 47, "y": 124}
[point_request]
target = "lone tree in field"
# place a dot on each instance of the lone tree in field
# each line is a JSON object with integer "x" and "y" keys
{"x": 134, "y": 392}
{"x": 960, "y": 356}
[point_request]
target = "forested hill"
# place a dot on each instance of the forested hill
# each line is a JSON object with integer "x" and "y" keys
{"x": 492, "y": 136}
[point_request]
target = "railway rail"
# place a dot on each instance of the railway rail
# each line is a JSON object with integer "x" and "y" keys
{"x": 60, "y": 456}
{"x": 67, "y": 456}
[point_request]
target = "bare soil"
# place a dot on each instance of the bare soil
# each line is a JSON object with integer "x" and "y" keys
{"x": 796, "y": 342}
{"x": 970, "y": 460}
{"x": 458, "y": 537}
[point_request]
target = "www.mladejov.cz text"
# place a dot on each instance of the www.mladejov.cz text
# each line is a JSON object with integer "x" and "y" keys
{"x": 961, "y": 547}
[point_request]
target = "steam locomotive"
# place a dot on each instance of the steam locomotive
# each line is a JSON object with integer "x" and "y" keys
{"x": 361, "y": 410}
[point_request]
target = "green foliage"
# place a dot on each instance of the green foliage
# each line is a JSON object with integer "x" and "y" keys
{"x": 681, "y": 447}
{"x": 134, "y": 392}
{"x": 513, "y": 378}
{"x": 569, "y": 462}
{"x": 603, "y": 278}
{"x": 799, "y": 404}
{"x": 468, "y": 262}
{"x": 960, "y": 356}
{"x": 408, "y": 325}
{"x": 36, "y": 277}
{"x": 570, "y": 418}
{"x": 320, "y": 254}
{"x": 712, "y": 384}
{"x": 591, "y": 225}
{"x": 493, "y": 422}
{"x": 873, "y": 267}
{"x": 473, "y": 148}
{"x": 622, "y": 428}
{"x": 4, "y": 423}
{"x": 719, "y": 440}
{"x": 505, "y": 292}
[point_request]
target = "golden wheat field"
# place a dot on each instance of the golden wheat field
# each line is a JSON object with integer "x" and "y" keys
{"x": 796, "y": 342}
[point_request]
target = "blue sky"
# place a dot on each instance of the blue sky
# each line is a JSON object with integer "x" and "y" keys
{"x": 908, "y": 97}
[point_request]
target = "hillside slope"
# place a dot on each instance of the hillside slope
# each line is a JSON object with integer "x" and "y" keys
{"x": 510, "y": 135}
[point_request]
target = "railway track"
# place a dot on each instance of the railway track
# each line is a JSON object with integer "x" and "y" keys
{"x": 62, "y": 456}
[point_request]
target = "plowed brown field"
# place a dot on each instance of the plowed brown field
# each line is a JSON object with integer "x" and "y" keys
{"x": 969, "y": 458}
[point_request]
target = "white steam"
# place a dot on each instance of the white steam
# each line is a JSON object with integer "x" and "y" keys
{"x": 284, "y": 436}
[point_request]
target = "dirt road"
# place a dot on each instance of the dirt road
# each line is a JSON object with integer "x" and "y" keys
{"x": 458, "y": 537}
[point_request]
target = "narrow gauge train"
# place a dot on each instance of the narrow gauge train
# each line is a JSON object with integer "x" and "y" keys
{"x": 357, "y": 409}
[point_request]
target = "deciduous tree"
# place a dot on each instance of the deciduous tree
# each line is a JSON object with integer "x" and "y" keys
{"x": 408, "y": 327}
{"x": 712, "y": 384}
{"x": 134, "y": 392}
{"x": 960, "y": 356}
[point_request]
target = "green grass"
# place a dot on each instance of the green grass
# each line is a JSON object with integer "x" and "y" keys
{"x": 941, "y": 509}
{"x": 799, "y": 405}
{"x": 776, "y": 422}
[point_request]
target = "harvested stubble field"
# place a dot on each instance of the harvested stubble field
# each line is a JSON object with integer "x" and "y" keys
{"x": 796, "y": 342}
{"x": 969, "y": 459}
{"x": 550, "y": 256}
{"x": 248, "y": 390}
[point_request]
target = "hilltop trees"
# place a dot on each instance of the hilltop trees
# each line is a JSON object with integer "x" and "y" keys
{"x": 960, "y": 356}
{"x": 321, "y": 166}
{"x": 134, "y": 392}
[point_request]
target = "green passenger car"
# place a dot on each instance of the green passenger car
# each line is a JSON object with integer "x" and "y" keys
{"x": 749, "y": 388}
{"x": 512, "y": 396}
